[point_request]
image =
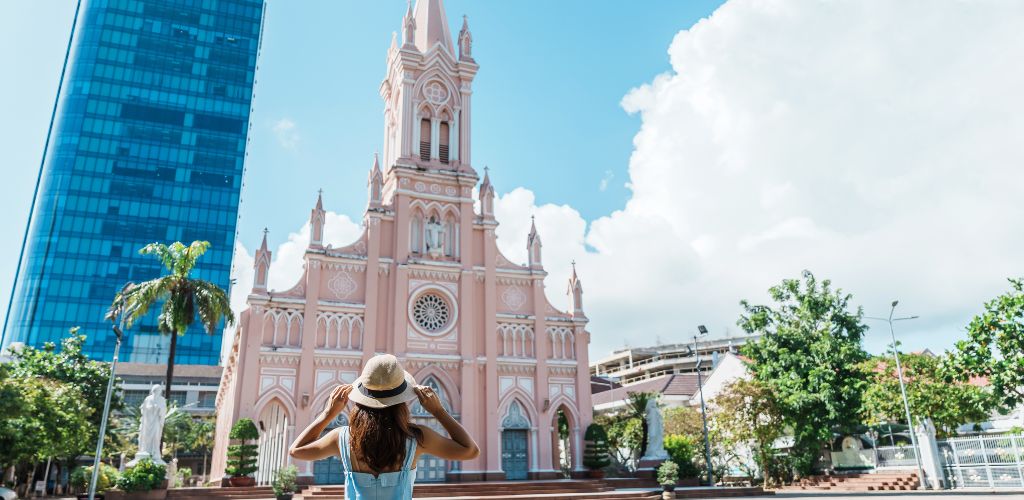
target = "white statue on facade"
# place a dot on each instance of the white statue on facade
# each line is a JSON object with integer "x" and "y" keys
{"x": 435, "y": 237}
{"x": 151, "y": 426}
{"x": 655, "y": 433}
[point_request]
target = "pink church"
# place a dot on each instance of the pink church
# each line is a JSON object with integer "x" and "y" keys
{"x": 426, "y": 282}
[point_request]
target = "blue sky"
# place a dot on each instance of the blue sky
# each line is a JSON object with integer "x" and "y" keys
{"x": 760, "y": 141}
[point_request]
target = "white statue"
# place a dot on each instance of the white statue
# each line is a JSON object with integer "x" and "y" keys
{"x": 655, "y": 433}
{"x": 435, "y": 237}
{"x": 151, "y": 426}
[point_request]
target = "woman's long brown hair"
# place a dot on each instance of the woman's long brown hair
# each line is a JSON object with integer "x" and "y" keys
{"x": 379, "y": 435}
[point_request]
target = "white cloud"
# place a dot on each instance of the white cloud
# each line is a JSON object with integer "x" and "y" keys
{"x": 287, "y": 133}
{"x": 608, "y": 176}
{"x": 877, "y": 144}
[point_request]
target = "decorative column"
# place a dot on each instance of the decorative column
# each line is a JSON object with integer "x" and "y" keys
{"x": 493, "y": 441}
{"x": 542, "y": 351}
{"x": 583, "y": 396}
{"x": 305, "y": 386}
{"x": 371, "y": 310}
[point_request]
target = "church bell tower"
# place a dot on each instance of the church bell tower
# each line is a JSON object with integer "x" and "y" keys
{"x": 427, "y": 93}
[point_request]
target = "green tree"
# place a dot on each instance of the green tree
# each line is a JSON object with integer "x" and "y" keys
{"x": 683, "y": 450}
{"x": 201, "y": 438}
{"x": 994, "y": 348}
{"x": 807, "y": 356}
{"x": 683, "y": 421}
{"x": 596, "y": 455}
{"x": 41, "y": 418}
{"x": 624, "y": 435}
{"x": 242, "y": 456}
{"x": 949, "y": 404}
{"x": 69, "y": 364}
{"x": 183, "y": 297}
{"x": 746, "y": 415}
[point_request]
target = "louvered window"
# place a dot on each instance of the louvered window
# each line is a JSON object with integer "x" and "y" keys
{"x": 443, "y": 143}
{"x": 425, "y": 140}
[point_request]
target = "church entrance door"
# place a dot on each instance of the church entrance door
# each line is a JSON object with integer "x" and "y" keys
{"x": 514, "y": 454}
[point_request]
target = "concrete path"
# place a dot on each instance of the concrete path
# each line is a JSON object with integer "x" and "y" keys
{"x": 969, "y": 494}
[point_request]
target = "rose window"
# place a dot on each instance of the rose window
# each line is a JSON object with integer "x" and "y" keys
{"x": 436, "y": 93}
{"x": 431, "y": 312}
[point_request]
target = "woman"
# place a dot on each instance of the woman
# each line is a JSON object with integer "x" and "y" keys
{"x": 380, "y": 447}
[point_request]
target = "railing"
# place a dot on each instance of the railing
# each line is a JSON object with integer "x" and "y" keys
{"x": 896, "y": 457}
{"x": 995, "y": 461}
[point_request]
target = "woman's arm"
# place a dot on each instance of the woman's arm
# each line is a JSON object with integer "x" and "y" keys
{"x": 461, "y": 445}
{"x": 309, "y": 445}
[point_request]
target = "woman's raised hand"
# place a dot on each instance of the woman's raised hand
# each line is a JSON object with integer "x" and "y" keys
{"x": 338, "y": 399}
{"x": 429, "y": 400}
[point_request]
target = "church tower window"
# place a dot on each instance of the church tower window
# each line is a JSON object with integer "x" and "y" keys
{"x": 425, "y": 139}
{"x": 443, "y": 142}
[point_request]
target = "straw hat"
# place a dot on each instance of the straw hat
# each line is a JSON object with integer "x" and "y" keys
{"x": 383, "y": 383}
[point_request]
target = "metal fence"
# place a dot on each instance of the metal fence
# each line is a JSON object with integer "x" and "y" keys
{"x": 984, "y": 461}
{"x": 896, "y": 457}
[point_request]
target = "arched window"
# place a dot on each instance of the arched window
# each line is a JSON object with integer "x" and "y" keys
{"x": 443, "y": 142}
{"x": 425, "y": 139}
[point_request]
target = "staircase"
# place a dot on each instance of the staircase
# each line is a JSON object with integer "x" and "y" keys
{"x": 562, "y": 489}
{"x": 205, "y": 493}
{"x": 879, "y": 481}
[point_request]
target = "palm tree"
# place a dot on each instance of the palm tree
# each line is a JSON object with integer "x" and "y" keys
{"x": 183, "y": 297}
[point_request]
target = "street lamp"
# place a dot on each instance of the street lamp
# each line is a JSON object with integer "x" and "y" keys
{"x": 903, "y": 388}
{"x": 702, "y": 331}
{"x": 118, "y": 313}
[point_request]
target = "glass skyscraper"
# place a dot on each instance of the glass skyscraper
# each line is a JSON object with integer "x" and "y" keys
{"x": 147, "y": 145}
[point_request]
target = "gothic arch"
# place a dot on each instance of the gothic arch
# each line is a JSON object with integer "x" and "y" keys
{"x": 446, "y": 383}
{"x": 278, "y": 395}
{"x": 525, "y": 401}
{"x": 438, "y": 74}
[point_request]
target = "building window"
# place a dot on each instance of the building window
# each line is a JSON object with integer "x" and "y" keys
{"x": 425, "y": 139}
{"x": 443, "y": 143}
{"x": 207, "y": 399}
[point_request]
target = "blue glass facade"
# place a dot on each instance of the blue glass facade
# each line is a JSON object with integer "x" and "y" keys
{"x": 147, "y": 144}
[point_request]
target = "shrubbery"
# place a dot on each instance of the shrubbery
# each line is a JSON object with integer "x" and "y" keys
{"x": 81, "y": 476}
{"x": 143, "y": 476}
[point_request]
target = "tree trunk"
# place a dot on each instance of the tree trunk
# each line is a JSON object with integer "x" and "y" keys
{"x": 170, "y": 366}
{"x": 203, "y": 473}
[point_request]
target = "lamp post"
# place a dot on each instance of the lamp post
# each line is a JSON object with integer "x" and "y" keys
{"x": 702, "y": 331}
{"x": 118, "y": 328}
{"x": 903, "y": 388}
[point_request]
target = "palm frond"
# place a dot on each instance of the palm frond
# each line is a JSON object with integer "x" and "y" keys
{"x": 212, "y": 304}
{"x": 138, "y": 299}
{"x": 162, "y": 252}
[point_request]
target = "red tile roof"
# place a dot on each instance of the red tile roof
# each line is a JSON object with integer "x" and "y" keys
{"x": 682, "y": 384}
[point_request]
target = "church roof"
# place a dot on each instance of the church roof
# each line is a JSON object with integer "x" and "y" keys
{"x": 432, "y": 26}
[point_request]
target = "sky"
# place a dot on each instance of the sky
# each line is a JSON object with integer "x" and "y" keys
{"x": 686, "y": 155}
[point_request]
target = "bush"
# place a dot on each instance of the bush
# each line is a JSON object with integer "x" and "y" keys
{"x": 81, "y": 476}
{"x": 595, "y": 455}
{"x": 143, "y": 476}
{"x": 242, "y": 456}
{"x": 682, "y": 450}
{"x": 284, "y": 483}
{"x": 668, "y": 473}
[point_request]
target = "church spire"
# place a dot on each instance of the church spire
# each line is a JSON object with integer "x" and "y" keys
{"x": 376, "y": 184}
{"x": 533, "y": 246}
{"x": 316, "y": 222}
{"x": 408, "y": 27}
{"x": 576, "y": 292}
{"x": 261, "y": 266}
{"x": 432, "y": 26}
{"x": 465, "y": 41}
{"x": 486, "y": 196}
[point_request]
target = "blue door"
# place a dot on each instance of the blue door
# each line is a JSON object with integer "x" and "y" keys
{"x": 514, "y": 454}
{"x": 328, "y": 471}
